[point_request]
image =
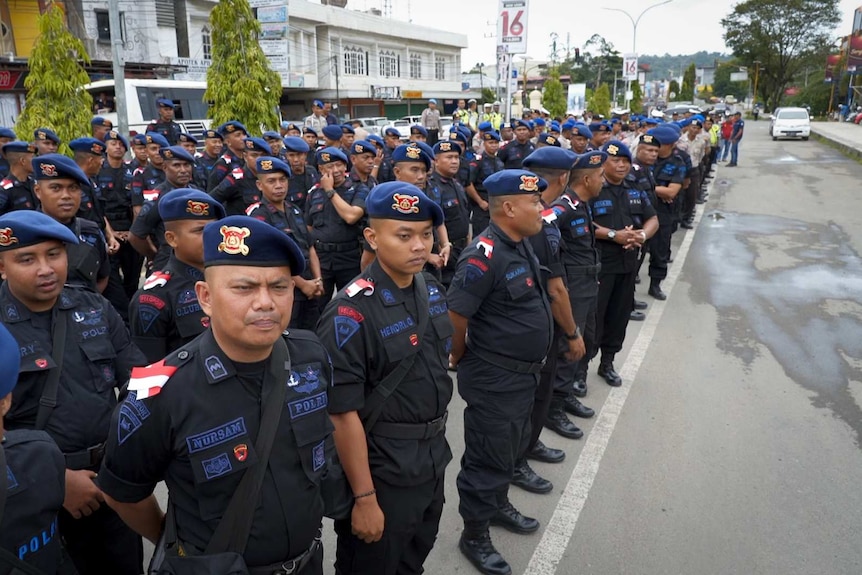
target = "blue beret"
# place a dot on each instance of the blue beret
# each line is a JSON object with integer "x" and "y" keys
{"x": 492, "y": 135}
{"x": 457, "y": 135}
{"x": 426, "y": 148}
{"x": 523, "y": 124}
{"x": 7, "y": 133}
{"x": 256, "y": 145}
{"x": 115, "y": 135}
{"x": 506, "y": 125}
{"x": 139, "y": 139}
{"x": 153, "y": 138}
{"x": 22, "y": 228}
{"x": 446, "y": 146}
{"x": 551, "y": 158}
{"x": 348, "y": 129}
{"x": 363, "y": 147}
{"x": 214, "y": 134}
{"x": 189, "y": 204}
{"x": 100, "y": 121}
{"x": 165, "y": 102}
{"x": 548, "y": 139}
{"x": 291, "y": 126}
{"x": 231, "y": 127}
{"x": 614, "y": 121}
{"x": 89, "y": 145}
{"x": 416, "y": 130}
{"x": 271, "y": 165}
{"x": 56, "y": 167}
{"x": 376, "y": 139}
{"x": 309, "y": 130}
{"x": 20, "y": 147}
{"x": 295, "y": 144}
{"x": 333, "y": 132}
{"x": 651, "y": 122}
{"x": 245, "y": 241}
{"x": 539, "y": 122}
{"x": 270, "y": 135}
{"x": 673, "y": 127}
{"x": 555, "y": 127}
{"x": 404, "y": 202}
{"x": 590, "y": 160}
{"x": 684, "y": 123}
{"x": 10, "y": 361}
{"x": 46, "y": 134}
{"x": 485, "y": 126}
{"x": 582, "y": 130}
{"x": 411, "y": 152}
{"x": 465, "y": 131}
{"x": 514, "y": 182}
{"x": 390, "y": 131}
{"x": 665, "y": 134}
{"x": 617, "y": 149}
{"x": 177, "y": 153}
{"x": 568, "y": 124}
{"x": 695, "y": 122}
{"x": 599, "y": 127}
{"x": 184, "y": 137}
{"x": 329, "y": 155}
{"x": 317, "y": 103}
{"x": 698, "y": 117}
{"x": 650, "y": 139}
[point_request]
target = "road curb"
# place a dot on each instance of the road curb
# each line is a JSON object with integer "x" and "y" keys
{"x": 846, "y": 149}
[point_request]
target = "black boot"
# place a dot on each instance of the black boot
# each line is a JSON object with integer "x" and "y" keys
{"x": 476, "y": 546}
{"x": 529, "y": 480}
{"x": 576, "y": 408}
{"x": 655, "y": 290}
{"x": 542, "y": 452}
{"x": 559, "y": 423}
{"x": 512, "y": 520}
{"x": 609, "y": 374}
{"x": 579, "y": 387}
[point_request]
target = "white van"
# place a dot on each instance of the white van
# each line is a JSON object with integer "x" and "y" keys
{"x": 790, "y": 123}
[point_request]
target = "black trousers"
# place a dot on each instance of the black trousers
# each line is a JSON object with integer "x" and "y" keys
{"x": 659, "y": 248}
{"x": 102, "y": 543}
{"x": 127, "y": 262}
{"x": 115, "y": 293}
{"x": 615, "y": 304}
{"x": 543, "y": 396}
{"x": 479, "y": 219}
{"x": 583, "y": 296}
{"x": 412, "y": 516}
{"x": 496, "y": 433}
{"x": 691, "y": 192}
{"x": 335, "y": 279}
{"x": 305, "y": 313}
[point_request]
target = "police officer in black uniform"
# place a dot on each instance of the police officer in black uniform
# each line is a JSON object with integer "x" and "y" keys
{"x": 234, "y": 134}
{"x": 33, "y": 484}
{"x": 601, "y": 132}
{"x": 58, "y": 188}
{"x": 275, "y": 209}
{"x": 303, "y": 175}
{"x": 513, "y": 153}
{"x": 206, "y": 159}
{"x": 497, "y": 296}
{"x": 192, "y": 419}
{"x": 145, "y": 179}
{"x": 100, "y": 126}
{"x": 624, "y": 219}
{"x": 165, "y": 125}
{"x": 389, "y": 330}
{"x": 581, "y": 136}
{"x": 147, "y": 234}
{"x": 80, "y": 380}
{"x": 444, "y": 188}
{"x": 89, "y": 154}
{"x": 483, "y": 166}
{"x": 669, "y": 175}
{"x": 311, "y": 138}
{"x": 16, "y": 188}
{"x": 334, "y": 211}
{"x": 6, "y": 136}
{"x": 165, "y": 314}
{"x": 238, "y": 189}
{"x": 392, "y": 139}
{"x": 46, "y": 141}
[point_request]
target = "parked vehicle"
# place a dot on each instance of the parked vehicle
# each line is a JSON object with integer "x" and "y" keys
{"x": 373, "y": 125}
{"x": 790, "y": 123}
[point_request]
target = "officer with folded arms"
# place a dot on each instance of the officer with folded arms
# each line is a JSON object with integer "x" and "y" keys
{"x": 206, "y": 419}
{"x": 75, "y": 353}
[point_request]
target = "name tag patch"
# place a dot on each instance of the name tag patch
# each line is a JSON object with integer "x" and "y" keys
{"x": 302, "y": 407}
{"x": 216, "y": 436}
{"x": 216, "y": 466}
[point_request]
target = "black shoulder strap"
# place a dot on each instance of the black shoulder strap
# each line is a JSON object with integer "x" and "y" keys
{"x": 7, "y": 558}
{"x": 4, "y": 481}
{"x": 234, "y": 528}
{"x": 374, "y": 403}
{"x": 48, "y": 401}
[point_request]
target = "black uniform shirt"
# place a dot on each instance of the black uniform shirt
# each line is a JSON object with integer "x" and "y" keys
{"x": 299, "y": 185}
{"x": 237, "y": 191}
{"x": 575, "y": 222}
{"x": 482, "y": 167}
{"x": 36, "y": 486}
{"x": 450, "y": 196}
{"x": 498, "y": 288}
{"x": 667, "y": 171}
{"x": 170, "y": 130}
{"x": 223, "y": 166}
{"x": 616, "y": 207}
{"x": 329, "y": 231}
{"x": 92, "y": 204}
{"x": 16, "y": 195}
{"x": 88, "y": 260}
{"x": 513, "y": 154}
{"x": 98, "y": 358}
{"x": 546, "y": 246}
{"x": 149, "y": 224}
{"x": 165, "y": 314}
{"x": 144, "y": 183}
{"x": 198, "y": 433}
{"x": 116, "y": 187}
{"x": 369, "y": 334}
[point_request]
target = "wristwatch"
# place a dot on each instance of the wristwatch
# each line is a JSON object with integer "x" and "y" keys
{"x": 612, "y": 234}
{"x": 329, "y": 193}
{"x": 575, "y": 335}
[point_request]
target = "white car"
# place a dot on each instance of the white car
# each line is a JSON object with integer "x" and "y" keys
{"x": 790, "y": 123}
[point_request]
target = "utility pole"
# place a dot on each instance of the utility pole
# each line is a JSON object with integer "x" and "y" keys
{"x": 119, "y": 72}
{"x": 337, "y": 91}
{"x": 756, "y": 74}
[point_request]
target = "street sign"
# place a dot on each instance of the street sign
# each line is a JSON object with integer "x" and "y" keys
{"x": 630, "y": 66}
{"x": 512, "y": 26}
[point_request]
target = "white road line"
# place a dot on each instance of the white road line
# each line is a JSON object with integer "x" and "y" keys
{"x": 558, "y": 533}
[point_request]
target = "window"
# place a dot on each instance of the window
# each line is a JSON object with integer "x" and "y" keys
{"x": 165, "y": 15}
{"x": 415, "y": 66}
{"x": 439, "y": 68}
{"x": 390, "y": 65}
{"x": 207, "y": 43}
{"x": 355, "y": 62}
{"x": 103, "y": 26}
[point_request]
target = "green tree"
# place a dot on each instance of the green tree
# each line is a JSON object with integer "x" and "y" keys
{"x": 673, "y": 91}
{"x": 722, "y": 86}
{"x": 600, "y": 102}
{"x": 686, "y": 93}
{"x": 815, "y": 94}
{"x": 54, "y": 96}
{"x": 780, "y": 35}
{"x": 637, "y": 103}
{"x": 553, "y": 95}
{"x": 488, "y": 95}
{"x": 240, "y": 83}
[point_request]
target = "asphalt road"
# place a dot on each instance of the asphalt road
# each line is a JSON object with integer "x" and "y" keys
{"x": 734, "y": 444}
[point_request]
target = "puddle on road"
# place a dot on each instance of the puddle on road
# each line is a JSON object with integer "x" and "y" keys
{"x": 794, "y": 288}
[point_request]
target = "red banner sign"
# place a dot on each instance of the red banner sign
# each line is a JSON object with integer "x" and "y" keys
{"x": 831, "y": 65}
{"x": 8, "y": 79}
{"x": 854, "y": 56}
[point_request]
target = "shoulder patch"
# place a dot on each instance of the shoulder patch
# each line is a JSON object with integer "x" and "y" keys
{"x": 549, "y": 216}
{"x": 157, "y": 279}
{"x": 7, "y": 183}
{"x": 360, "y": 286}
{"x": 237, "y": 173}
{"x": 486, "y": 246}
{"x": 252, "y": 208}
{"x": 148, "y": 381}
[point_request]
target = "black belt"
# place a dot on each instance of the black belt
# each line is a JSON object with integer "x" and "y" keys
{"x": 90, "y": 457}
{"x": 336, "y": 247}
{"x": 425, "y": 430}
{"x": 508, "y": 363}
{"x": 583, "y": 270}
{"x": 290, "y": 566}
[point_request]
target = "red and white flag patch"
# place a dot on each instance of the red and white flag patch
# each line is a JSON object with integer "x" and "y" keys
{"x": 148, "y": 381}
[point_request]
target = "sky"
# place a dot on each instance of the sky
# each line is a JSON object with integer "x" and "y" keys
{"x": 680, "y": 27}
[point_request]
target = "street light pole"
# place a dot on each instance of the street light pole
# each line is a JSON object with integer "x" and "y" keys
{"x": 756, "y": 74}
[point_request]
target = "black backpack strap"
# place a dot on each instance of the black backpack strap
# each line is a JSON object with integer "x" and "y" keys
{"x": 373, "y": 407}
{"x": 48, "y": 401}
{"x": 234, "y": 528}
